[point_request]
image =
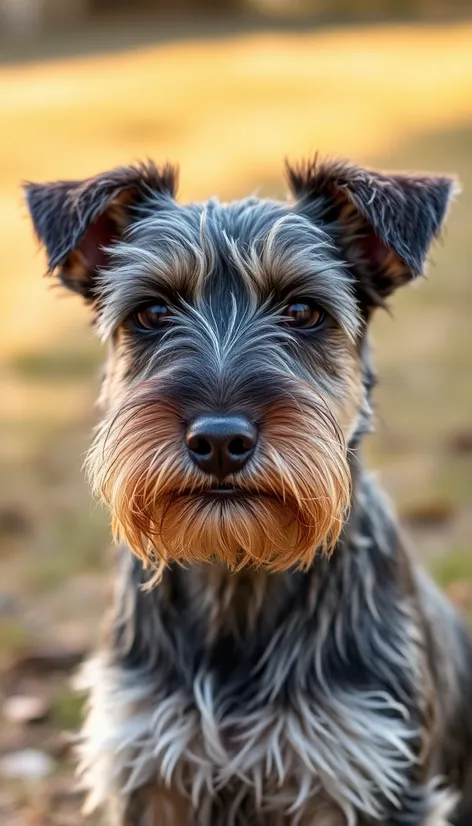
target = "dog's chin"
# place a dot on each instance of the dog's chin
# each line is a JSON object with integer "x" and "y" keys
{"x": 237, "y": 527}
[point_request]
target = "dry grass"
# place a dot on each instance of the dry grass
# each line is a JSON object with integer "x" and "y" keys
{"x": 228, "y": 111}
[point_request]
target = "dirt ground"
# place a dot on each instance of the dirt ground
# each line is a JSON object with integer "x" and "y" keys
{"x": 228, "y": 109}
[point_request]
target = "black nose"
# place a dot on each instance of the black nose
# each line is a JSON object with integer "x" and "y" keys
{"x": 221, "y": 444}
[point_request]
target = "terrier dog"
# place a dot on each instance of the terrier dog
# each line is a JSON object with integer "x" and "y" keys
{"x": 274, "y": 657}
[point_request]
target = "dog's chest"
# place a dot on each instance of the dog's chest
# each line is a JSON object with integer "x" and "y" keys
{"x": 282, "y": 734}
{"x": 353, "y": 749}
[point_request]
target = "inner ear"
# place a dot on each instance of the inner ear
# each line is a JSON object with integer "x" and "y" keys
{"x": 92, "y": 251}
{"x": 78, "y": 270}
{"x": 376, "y": 266}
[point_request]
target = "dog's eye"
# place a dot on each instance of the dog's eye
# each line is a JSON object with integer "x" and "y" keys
{"x": 153, "y": 317}
{"x": 303, "y": 315}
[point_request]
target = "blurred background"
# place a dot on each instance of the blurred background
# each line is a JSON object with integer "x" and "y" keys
{"x": 226, "y": 89}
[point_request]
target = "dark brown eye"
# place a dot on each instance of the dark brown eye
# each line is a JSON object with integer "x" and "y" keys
{"x": 153, "y": 317}
{"x": 303, "y": 315}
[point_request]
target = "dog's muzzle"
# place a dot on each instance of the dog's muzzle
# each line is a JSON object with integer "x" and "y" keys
{"x": 265, "y": 491}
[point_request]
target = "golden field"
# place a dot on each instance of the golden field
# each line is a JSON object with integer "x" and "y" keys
{"x": 228, "y": 110}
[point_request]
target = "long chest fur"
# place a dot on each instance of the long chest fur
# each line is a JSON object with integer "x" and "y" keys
{"x": 282, "y": 692}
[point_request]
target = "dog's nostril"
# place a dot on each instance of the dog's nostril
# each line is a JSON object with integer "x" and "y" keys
{"x": 239, "y": 446}
{"x": 201, "y": 447}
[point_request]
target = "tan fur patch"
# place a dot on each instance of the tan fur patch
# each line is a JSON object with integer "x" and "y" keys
{"x": 292, "y": 502}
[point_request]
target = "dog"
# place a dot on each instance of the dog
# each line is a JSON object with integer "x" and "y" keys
{"x": 273, "y": 657}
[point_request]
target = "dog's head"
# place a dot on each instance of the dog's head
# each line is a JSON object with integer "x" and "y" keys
{"x": 236, "y": 382}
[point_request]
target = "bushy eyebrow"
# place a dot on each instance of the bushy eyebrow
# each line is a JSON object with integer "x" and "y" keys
{"x": 295, "y": 258}
{"x": 160, "y": 255}
{"x": 277, "y": 254}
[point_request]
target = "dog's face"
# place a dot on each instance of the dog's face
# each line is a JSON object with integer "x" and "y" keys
{"x": 236, "y": 382}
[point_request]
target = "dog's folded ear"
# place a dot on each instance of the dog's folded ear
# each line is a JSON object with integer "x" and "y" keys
{"x": 77, "y": 221}
{"x": 383, "y": 223}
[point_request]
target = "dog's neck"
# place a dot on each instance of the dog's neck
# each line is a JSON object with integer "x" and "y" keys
{"x": 206, "y": 614}
{"x": 251, "y": 602}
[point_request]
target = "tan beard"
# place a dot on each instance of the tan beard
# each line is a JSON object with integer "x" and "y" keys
{"x": 288, "y": 504}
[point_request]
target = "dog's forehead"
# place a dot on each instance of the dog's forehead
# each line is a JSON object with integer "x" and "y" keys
{"x": 242, "y": 222}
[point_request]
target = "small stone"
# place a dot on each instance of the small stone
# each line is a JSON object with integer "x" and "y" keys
{"x": 13, "y": 522}
{"x": 429, "y": 514}
{"x": 29, "y": 764}
{"x": 461, "y": 443}
{"x": 50, "y": 659}
{"x": 7, "y": 604}
{"x": 24, "y": 709}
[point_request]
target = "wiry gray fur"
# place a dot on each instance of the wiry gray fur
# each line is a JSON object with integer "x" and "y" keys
{"x": 327, "y": 700}
{"x": 335, "y": 696}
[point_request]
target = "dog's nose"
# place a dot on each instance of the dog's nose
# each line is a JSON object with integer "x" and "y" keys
{"x": 220, "y": 444}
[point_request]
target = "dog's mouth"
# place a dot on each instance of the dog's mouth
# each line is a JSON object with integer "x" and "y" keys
{"x": 221, "y": 491}
{"x": 224, "y": 491}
